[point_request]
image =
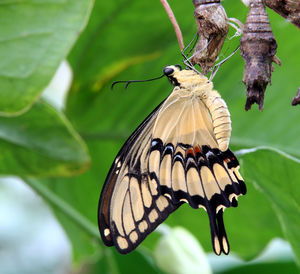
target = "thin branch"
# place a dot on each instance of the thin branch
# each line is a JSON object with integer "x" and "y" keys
{"x": 296, "y": 99}
{"x": 289, "y": 9}
{"x": 174, "y": 23}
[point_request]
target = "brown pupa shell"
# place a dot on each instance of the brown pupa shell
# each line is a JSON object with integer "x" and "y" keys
{"x": 258, "y": 48}
{"x": 212, "y": 24}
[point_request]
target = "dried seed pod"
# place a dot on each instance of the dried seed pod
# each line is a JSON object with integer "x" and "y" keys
{"x": 258, "y": 48}
{"x": 212, "y": 27}
{"x": 296, "y": 99}
{"x": 289, "y": 9}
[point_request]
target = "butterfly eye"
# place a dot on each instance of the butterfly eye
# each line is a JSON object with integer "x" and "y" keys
{"x": 168, "y": 71}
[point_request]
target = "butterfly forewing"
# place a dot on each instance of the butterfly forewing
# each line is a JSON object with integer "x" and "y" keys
{"x": 130, "y": 205}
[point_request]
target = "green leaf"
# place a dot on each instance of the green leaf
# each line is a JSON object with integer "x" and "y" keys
{"x": 36, "y": 35}
{"x": 277, "y": 175}
{"x": 114, "y": 263}
{"x": 40, "y": 142}
{"x": 266, "y": 267}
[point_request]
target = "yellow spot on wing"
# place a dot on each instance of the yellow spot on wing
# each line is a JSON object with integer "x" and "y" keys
{"x": 143, "y": 226}
{"x": 178, "y": 177}
{"x": 153, "y": 216}
{"x": 225, "y": 245}
{"x": 194, "y": 183}
{"x": 220, "y": 207}
{"x": 127, "y": 215}
{"x": 136, "y": 199}
{"x": 221, "y": 176}
{"x": 117, "y": 202}
{"x": 232, "y": 176}
{"x": 201, "y": 206}
{"x": 122, "y": 242}
{"x": 231, "y": 196}
{"x": 209, "y": 183}
{"x": 168, "y": 195}
{"x": 147, "y": 198}
{"x": 154, "y": 160}
{"x": 237, "y": 174}
{"x": 217, "y": 245}
{"x": 133, "y": 236}
{"x": 162, "y": 203}
{"x": 153, "y": 186}
{"x": 165, "y": 171}
{"x": 106, "y": 232}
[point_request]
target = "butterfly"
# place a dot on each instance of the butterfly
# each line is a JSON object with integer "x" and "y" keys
{"x": 178, "y": 154}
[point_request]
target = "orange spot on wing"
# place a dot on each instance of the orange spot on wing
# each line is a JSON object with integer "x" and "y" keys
{"x": 197, "y": 149}
{"x": 190, "y": 151}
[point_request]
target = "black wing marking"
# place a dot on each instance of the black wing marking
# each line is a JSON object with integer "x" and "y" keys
{"x": 201, "y": 176}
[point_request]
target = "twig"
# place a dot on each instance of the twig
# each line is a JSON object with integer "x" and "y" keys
{"x": 258, "y": 48}
{"x": 296, "y": 99}
{"x": 212, "y": 29}
{"x": 174, "y": 23}
{"x": 289, "y": 9}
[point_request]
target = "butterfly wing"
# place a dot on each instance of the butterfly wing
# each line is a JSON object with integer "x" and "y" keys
{"x": 187, "y": 164}
{"x": 130, "y": 207}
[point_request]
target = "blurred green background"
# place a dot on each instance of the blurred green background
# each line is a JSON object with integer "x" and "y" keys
{"x": 62, "y": 146}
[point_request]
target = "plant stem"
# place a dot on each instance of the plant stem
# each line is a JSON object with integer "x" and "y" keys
{"x": 174, "y": 23}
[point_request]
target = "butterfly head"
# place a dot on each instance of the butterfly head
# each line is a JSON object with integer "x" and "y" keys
{"x": 185, "y": 78}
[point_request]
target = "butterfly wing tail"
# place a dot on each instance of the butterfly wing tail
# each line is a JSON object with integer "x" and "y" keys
{"x": 222, "y": 233}
{"x": 218, "y": 233}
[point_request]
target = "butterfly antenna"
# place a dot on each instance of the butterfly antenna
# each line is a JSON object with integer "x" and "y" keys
{"x": 134, "y": 81}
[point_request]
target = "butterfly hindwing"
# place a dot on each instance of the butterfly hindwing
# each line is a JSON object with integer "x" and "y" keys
{"x": 191, "y": 168}
{"x": 200, "y": 176}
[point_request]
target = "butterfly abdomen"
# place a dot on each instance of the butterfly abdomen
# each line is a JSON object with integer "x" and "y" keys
{"x": 220, "y": 118}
